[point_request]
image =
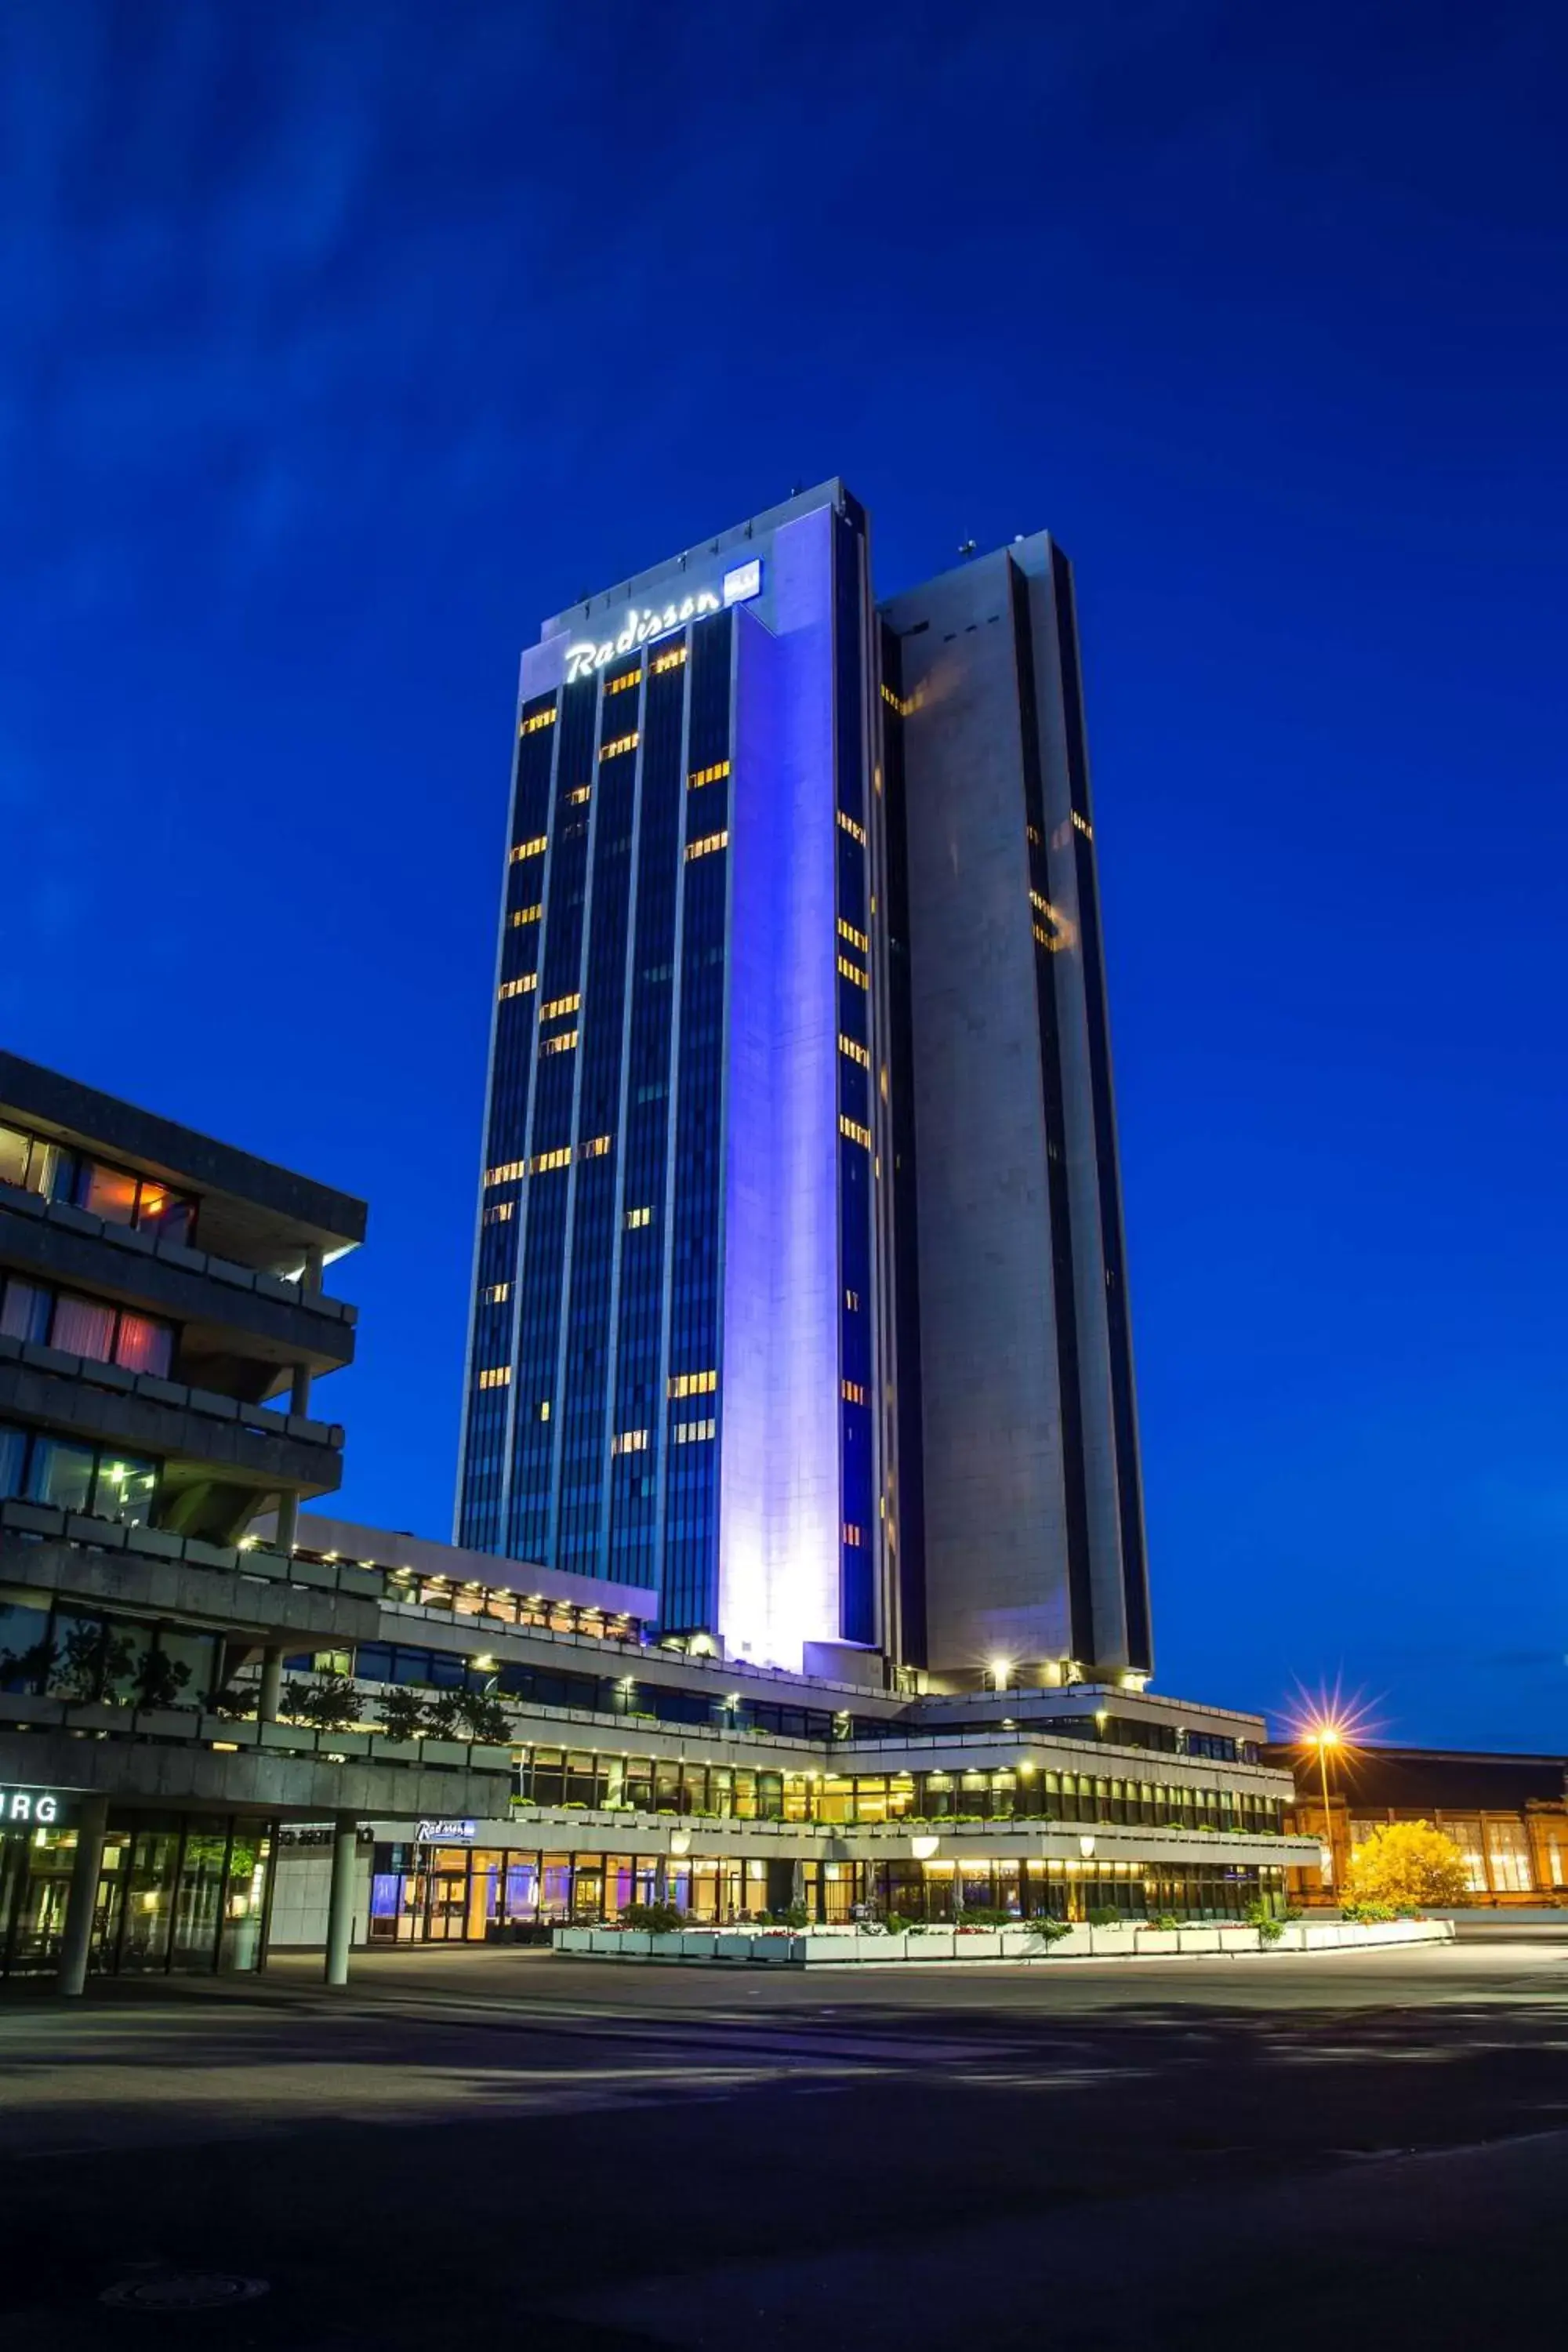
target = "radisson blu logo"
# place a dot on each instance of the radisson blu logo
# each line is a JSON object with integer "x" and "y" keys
{"x": 641, "y": 626}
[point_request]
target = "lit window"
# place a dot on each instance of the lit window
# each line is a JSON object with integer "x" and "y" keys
{"x": 709, "y": 842}
{"x": 672, "y": 660}
{"x": 520, "y": 987}
{"x": 501, "y": 1214}
{"x": 630, "y": 1441}
{"x": 685, "y": 1384}
{"x": 1082, "y": 824}
{"x": 522, "y": 915}
{"x": 578, "y": 794}
{"x": 507, "y": 1174}
{"x": 853, "y": 971}
{"x": 856, "y": 832}
{"x": 852, "y": 1300}
{"x": 543, "y": 1162}
{"x": 594, "y": 1149}
{"x": 852, "y": 1392}
{"x": 564, "y": 1044}
{"x": 713, "y": 775}
{"x": 627, "y": 677}
{"x": 560, "y": 1004}
{"x": 636, "y": 1217}
{"x": 910, "y": 702}
{"x": 539, "y": 719}
{"x": 692, "y": 1433}
{"x": 496, "y": 1376}
{"x": 534, "y": 848}
{"x": 497, "y": 1294}
{"x": 852, "y": 1535}
{"x": 1032, "y": 832}
{"x": 622, "y": 743}
{"x": 854, "y": 1131}
{"x": 856, "y": 939}
{"x": 856, "y": 1053}
{"x": 544, "y": 1408}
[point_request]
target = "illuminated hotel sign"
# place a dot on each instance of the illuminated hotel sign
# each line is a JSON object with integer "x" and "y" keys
{"x": 44, "y": 1808}
{"x": 641, "y": 626}
{"x": 445, "y": 1834}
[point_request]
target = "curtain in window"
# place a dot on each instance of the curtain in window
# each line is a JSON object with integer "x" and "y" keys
{"x": 83, "y": 1328}
{"x": 13, "y": 1454}
{"x": 144, "y": 1345}
{"x": 25, "y": 1311}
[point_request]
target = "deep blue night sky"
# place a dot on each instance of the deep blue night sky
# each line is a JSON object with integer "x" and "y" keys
{"x": 344, "y": 341}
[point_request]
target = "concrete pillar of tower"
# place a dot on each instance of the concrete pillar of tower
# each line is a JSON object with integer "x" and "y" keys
{"x": 81, "y": 1901}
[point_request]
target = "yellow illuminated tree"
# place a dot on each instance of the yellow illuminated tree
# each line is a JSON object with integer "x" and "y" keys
{"x": 1409, "y": 1863}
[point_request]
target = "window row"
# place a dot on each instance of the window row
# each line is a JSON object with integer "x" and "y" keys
{"x": 96, "y": 1480}
{"x": 52, "y": 1650}
{"x": 85, "y": 1327}
{"x": 58, "y": 1173}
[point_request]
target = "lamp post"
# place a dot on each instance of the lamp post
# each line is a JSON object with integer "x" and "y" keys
{"x": 1325, "y": 1736}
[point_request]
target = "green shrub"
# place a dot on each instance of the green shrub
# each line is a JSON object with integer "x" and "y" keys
{"x": 1367, "y": 1915}
{"x": 1049, "y": 1931}
{"x": 1167, "y": 1923}
{"x": 654, "y": 1919}
{"x": 1104, "y": 1917}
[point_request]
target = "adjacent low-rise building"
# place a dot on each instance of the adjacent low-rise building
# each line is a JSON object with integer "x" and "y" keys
{"x": 162, "y": 1320}
{"x": 660, "y": 1770}
{"x": 1508, "y": 1814}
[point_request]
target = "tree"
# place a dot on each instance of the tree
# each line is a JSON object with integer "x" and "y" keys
{"x": 1409, "y": 1863}
{"x": 402, "y": 1713}
{"x": 332, "y": 1705}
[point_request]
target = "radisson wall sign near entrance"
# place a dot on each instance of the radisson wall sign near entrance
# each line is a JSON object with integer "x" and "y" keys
{"x": 42, "y": 1809}
{"x": 640, "y": 626}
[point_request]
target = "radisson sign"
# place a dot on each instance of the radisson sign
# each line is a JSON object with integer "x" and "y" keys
{"x": 641, "y": 626}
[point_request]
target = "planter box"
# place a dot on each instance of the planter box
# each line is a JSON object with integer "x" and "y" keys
{"x": 386, "y": 1751}
{"x": 1107, "y": 1942}
{"x": 572, "y": 1939}
{"x": 1238, "y": 1939}
{"x": 936, "y": 1943}
{"x": 1199, "y": 1939}
{"x": 242, "y": 1734}
{"x": 823, "y": 1945}
{"x": 1163, "y": 1942}
{"x": 671, "y": 1947}
{"x": 1077, "y": 1944}
{"x": 985, "y": 1944}
{"x": 774, "y": 1949}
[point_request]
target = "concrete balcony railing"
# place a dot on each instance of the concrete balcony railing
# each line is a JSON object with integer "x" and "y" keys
{"x": 252, "y": 1420}
{"x": 100, "y": 1721}
{"x": 278, "y": 1287}
{"x": 260, "y": 1594}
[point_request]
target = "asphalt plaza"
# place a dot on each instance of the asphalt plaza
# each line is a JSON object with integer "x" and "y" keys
{"x": 491, "y": 2143}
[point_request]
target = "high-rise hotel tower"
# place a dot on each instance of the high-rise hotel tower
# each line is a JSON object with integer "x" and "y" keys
{"x": 798, "y": 1288}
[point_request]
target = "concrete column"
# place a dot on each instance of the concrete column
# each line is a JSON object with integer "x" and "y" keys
{"x": 272, "y": 1685}
{"x": 341, "y": 1901}
{"x": 288, "y": 1529}
{"x": 81, "y": 1901}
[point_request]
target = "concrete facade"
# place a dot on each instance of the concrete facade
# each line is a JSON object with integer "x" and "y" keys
{"x": 1034, "y": 1536}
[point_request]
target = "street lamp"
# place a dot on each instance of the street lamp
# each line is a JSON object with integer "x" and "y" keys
{"x": 1322, "y": 1737}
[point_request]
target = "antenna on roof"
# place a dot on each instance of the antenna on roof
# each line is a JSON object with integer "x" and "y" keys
{"x": 966, "y": 548}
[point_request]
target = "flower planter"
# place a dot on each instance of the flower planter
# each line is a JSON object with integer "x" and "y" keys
{"x": 1198, "y": 1939}
{"x": 1110, "y": 1943}
{"x": 668, "y": 1946}
{"x": 818, "y": 1944}
{"x": 1159, "y": 1943}
{"x": 936, "y": 1943}
{"x": 977, "y": 1944}
{"x": 1238, "y": 1939}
